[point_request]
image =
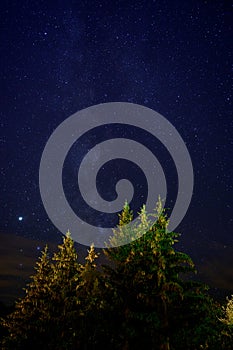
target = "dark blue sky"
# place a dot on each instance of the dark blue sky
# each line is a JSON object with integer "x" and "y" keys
{"x": 172, "y": 56}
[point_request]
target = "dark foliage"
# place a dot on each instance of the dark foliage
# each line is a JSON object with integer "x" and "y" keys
{"x": 139, "y": 300}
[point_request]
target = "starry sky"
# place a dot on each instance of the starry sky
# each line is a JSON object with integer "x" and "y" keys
{"x": 174, "y": 57}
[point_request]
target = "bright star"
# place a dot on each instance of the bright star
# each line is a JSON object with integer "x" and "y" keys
{"x": 20, "y": 218}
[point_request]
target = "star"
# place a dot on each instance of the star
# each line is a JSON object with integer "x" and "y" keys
{"x": 89, "y": 60}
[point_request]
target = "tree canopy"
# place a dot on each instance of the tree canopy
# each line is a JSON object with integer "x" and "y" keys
{"x": 145, "y": 296}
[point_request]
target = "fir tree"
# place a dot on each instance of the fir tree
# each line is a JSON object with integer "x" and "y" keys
{"x": 147, "y": 280}
{"x": 47, "y": 315}
{"x": 30, "y": 315}
{"x": 65, "y": 309}
{"x": 89, "y": 300}
{"x": 228, "y": 311}
{"x": 141, "y": 299}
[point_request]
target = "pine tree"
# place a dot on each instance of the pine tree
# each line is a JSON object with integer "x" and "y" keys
{"x": 66, "y": 271}
{"x": 89, "y": 300}
{"x": 146, "y": 279}
{"x": 228, "y": 311}
{"x": 48, "y": 313}
{"x": 88, "y": 279}
{"x": 65, "y": 310}
{"x": 141, "y": 299}
{"x": 30, "y": 315}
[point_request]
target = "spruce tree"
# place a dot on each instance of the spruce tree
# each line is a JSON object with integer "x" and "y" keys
{"x": 30, "y": 317}
{"x": 228, "y": 312}
{"x": 147, "y": 280}
{"x": 145, "y": 297}
{"x": 65, "y": 309}
{"x": 47, "y": 315}
{"x": 89, "y": 300}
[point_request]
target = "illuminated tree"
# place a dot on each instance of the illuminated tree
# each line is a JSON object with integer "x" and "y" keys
{"x": 145, "y": 297}
{"x": 154, "y": 301}
{"x": 28, "y": 319}
{"x": 228, "y": 311}
{"x": 64, "y": 311}
{"x": 48, "y": 312}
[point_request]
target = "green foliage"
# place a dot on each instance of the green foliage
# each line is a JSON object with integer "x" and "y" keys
{"x": 145, "y": 297}
{"x": 228, "y": 312}
{"x": 145, "y": 278}
{"x": 49, "y": 303}
{"x": 32, "y": 307}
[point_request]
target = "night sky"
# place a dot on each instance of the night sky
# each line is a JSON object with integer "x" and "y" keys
{"x": 174, "y": 57}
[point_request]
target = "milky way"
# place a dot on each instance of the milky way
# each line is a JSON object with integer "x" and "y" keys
{"x": 172, "y": 56}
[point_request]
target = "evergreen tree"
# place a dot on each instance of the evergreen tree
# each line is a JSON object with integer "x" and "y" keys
{"x": 227, "y": 322}
{"x": 65, "y": 310}
{"x": 30, "y": 315}
{"x": 47, "y": 315}
{"x": 152, "y": 297}
{"x": 228, "y": 311}
{"x": 144, "y": 298}
{"x": 89, "y": 300}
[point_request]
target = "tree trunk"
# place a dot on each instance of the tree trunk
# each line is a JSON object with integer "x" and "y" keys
{"x": 165, "y": 344}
